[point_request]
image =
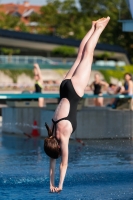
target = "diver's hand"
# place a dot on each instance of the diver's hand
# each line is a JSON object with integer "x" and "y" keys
{"x": 52, "y": 188}
{"x": 58, "y": 189}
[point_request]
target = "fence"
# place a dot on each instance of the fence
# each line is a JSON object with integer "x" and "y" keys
{"x": 26, "y": 62}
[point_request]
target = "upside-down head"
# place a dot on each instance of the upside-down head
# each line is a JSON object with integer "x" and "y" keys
{"x": 51, "y": 146}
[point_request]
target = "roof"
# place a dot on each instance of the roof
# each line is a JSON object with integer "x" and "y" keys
{"x": 56, "y": 40}
{"x": 23, "y": 10}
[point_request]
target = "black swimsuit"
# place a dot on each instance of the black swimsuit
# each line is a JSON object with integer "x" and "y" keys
{"x": 97, "y": 88}
{"x": 67, "y": 91}
{"x": 38, "y": 87}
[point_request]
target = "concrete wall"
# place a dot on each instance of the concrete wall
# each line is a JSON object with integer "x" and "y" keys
{"x": 93, "y": 123}
{"x": 102, "y": 123}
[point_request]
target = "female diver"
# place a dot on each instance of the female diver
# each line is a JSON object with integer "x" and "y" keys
{"x": 71, "y": 90}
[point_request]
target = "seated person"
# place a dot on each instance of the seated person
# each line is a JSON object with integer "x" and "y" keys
{"x": 127, "y": 89}
{"x": 112, "y": 90}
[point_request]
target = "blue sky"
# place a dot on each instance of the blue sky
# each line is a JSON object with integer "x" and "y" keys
{"x": 34, "y": 2}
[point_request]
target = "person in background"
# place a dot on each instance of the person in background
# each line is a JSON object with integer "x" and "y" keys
{"x": 38, "y": 83}
{"x": 127, "y": 89}
{"x": 113, "y": 89}
{"x": 96, "y": 86}
{"x": 128, "y": 85}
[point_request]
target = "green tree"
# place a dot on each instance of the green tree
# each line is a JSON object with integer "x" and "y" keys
{"x": 64, "y": 51}
{"x": 12, "y": 22}
{"x": 9, "y": 52}
{"x": 8, "y": 21}
{"x": 113, "y": 33}
{"x": 48, "y": 19}
{"x": 22, "y": 27}
{"x": 105, "y": 55}
{"x": 35, "y": 17}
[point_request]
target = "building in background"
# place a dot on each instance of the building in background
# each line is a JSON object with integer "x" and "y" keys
{"x": 127, "y": 17}
{"x": 23, "y": 11}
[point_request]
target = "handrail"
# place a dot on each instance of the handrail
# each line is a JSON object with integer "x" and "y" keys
{"x": 29, "y": 60}
{"x": 56, "y": 95}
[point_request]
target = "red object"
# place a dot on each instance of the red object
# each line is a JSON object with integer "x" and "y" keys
{"x": 80, "y": 141}
{"x": 35, "y": 132}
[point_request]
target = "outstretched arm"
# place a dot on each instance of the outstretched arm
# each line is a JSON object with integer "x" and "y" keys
{"x": 64, "y": 162}
{"x": 52, "y": 174}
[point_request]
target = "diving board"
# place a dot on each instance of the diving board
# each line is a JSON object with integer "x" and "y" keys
{"x": 33, "y": 96}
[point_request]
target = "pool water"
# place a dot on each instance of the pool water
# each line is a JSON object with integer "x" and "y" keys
{"x": 99, "y": 170}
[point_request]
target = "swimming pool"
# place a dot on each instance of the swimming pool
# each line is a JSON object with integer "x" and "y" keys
{"x": 100, "y": 170}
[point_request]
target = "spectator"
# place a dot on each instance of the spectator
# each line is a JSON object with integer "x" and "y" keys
{"x": 127, "y": 89}
{"x": 128, "y": 85}
{"x": 96, "y": 86}
{"x": 112, "y": 90}
{"x": 39, "y": 83}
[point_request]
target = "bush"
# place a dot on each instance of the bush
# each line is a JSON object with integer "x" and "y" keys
{"x": 14, "y": 73}
{"x": 64, "y": 51}
{"x": 117, "y": 73}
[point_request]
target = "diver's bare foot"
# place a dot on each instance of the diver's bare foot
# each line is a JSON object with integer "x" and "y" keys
{"x": 99, "y": 20}
{"x": 94, "y": 23}
{"x": 102, "y": 23}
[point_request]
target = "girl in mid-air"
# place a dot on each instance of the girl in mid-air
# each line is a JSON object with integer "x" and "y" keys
{"x": 71, "y": 90}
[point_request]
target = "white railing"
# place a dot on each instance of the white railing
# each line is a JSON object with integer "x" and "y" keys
{"x": 25, "y": 60}
{"x": 54, "y": 61}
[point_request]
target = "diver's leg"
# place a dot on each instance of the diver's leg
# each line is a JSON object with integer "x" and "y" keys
{"x": 80, "y": 51}
{"x": 81, "y": 75}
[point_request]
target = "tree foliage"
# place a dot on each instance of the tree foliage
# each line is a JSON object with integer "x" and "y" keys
{"x": 73, "y": 18}
{"x": 73, "y": 21}
{"x": 118, "y": 73}
{"x": 12, "y": 22}
{"x": 8, "y": 21}
{"x": 64, "y": 51}
{"x": 10, "y": 51}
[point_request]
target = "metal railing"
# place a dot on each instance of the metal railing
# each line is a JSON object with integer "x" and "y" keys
{"x": 56, "y": 95}
{"x": 25, "y": 60}
{"x": 10, "y": 62}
